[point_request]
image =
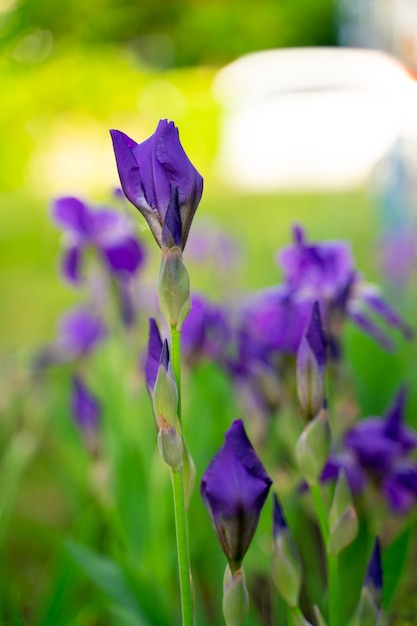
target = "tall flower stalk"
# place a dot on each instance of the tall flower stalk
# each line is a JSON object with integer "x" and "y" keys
{"x": 161, "y": 182}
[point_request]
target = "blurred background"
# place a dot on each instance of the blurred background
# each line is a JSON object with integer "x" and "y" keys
{"x": 293, "y": 111}
{"x": 69, "y": 75}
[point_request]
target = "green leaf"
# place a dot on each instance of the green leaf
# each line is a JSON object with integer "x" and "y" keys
{"x": 394, "y": 561}
{"x": 114, "y": 582}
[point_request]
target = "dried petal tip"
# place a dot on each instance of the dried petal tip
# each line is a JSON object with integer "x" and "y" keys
{"x": 234, "y": 489}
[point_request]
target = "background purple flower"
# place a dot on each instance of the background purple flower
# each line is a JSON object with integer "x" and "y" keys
{"x": 234, "y": 489}
{"x": 205, "y": 331}
{"x": 106, "y": 231}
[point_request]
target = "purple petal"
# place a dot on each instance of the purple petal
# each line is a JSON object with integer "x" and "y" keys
{"x": 153, "y": 354}
{"x": 400, "y": 487}
{"x": 234, "y": 489}
{"x": 375, "y": 302}
{"x": 354, "y": 473}
{"x": 71, "y": 263}
{"x": 172, "y": 229}
{"x": 373, "y": 577}
{"x": 85, "y": 406}
{"x": 370, "y": 328}
{"x": 180, "y": 172}
{"x": 73, "y": 215}
{"x": 279, "y": 523}
{"x": 316, "y": 337}
{"x": 131, "y": 170}
{"x": 79, "y": 332}
{"x": 125, "y": 257}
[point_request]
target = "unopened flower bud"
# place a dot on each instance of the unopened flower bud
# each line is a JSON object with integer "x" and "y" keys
{"x": 313, "y": 447}
{"x": 343, "y": 520}
{"x": 286, "y": 569}
{"x": 369, "y": 610}
{"x": 235, "y": 597}
{"x": 311, "y": 365}
{"x": 170, "y": 446}
{"x": 165, "y": 391}
{"x": 173, "y": 287}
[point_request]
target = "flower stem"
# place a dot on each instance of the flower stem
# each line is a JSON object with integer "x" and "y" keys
{"x": 179, "y": 499}
{"x": 332, "y": 569}
{"x": 176, "y": 363}
{"x": 182, "y": 548}
{"x": 333, "y": 585}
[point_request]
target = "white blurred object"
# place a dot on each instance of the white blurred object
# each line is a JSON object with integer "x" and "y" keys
{"x": 311, "y": 118}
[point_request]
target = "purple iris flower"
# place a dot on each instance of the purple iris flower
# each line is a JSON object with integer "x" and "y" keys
{"x": 158, "y": 178}
{"x": 319, "y": 271}
{"x": 274, "y": 319}
{"x": 326, "y": 272}
{"x": 205, "y": 331}
{"x": 378, "y": 442}
{"x": 234, "y": 489}
{"x": 105, "y": 230}
{"x": 377, "y": 450}
{"x": 85, "y": 406}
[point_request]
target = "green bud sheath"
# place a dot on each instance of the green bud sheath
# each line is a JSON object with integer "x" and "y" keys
{"x": 286, "y": 569}
{"x": 367, "y": 611}
{"x": 165, "y": 397}
{"x": 173, "y": 287}
{"x": 313, "y": 447}
{"x": 170, "y": 446}
{"x": 343, "y": 520}
{"x": 235, "y": 597}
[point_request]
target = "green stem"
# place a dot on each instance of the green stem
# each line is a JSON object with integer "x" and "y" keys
{"x": 333, "y": 585}
{"x": 332, "y": 568}
{"x": 176, "y": 362}
{"x": 320, "y": 511}
{"x": 182, "y": 548}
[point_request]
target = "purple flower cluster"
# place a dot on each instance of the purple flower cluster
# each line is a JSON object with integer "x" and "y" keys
{"x": 377, "y": 450}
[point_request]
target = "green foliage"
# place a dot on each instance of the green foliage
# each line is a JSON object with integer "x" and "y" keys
{"x": 181, "y": 33}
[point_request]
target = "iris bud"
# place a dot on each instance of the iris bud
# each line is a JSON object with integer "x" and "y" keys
{"x": 311, "y": 365}
{"x": 313, "y": 447}
{"x": 165, "y": 394}
{"x": 173, "y": 287}
{"x": 235, "y": 597}
{"x": 343, "y": 520}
